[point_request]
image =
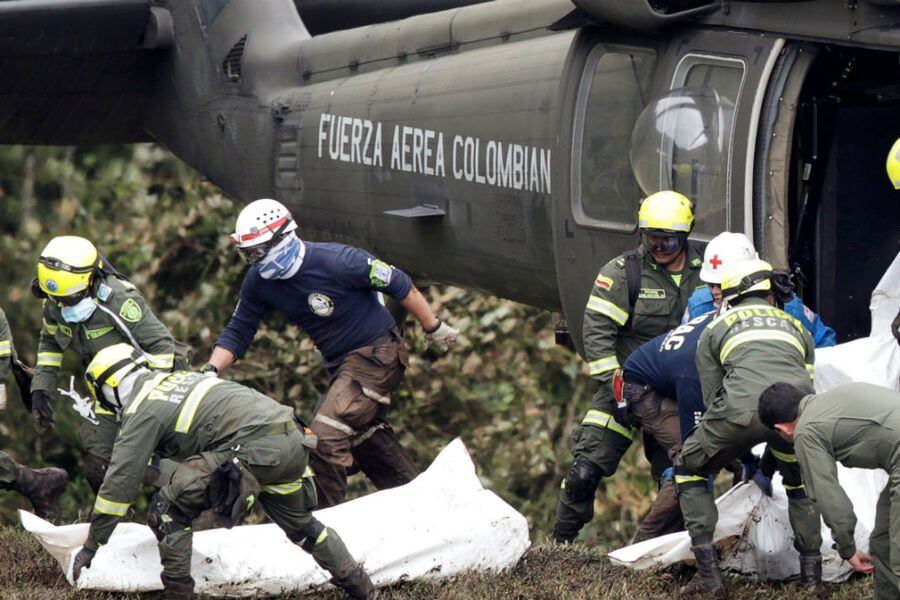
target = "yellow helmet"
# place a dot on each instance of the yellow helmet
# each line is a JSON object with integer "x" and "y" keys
{"x": 66, "y": 266}
{"x": 109, "y": 367}
{"x": 893, "y": 165}
{"x": 748, "y": 276}
{"x": 666, "y": 211}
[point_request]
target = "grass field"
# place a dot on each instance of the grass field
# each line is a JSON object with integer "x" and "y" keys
{"x": 546, "y": 572}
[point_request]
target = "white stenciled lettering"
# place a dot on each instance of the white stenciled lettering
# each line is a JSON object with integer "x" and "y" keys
{"x": 418, "y": 150}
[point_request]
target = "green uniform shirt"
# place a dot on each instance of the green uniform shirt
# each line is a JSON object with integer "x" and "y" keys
{"x": 177, "y": 415}
{"x": 121, "y": 314}
{"x": 6, "y": 348}
{"x": 858, "y": 425}
{"x": 745, "y": 350}
{"x": 659, "y": 307}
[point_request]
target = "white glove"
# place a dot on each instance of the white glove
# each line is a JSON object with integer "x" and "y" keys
{"x": 2, "y": 396}
{"x": 443, "y": 337}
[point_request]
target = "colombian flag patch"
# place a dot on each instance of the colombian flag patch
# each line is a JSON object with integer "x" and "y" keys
{"x": 604, "y": 282}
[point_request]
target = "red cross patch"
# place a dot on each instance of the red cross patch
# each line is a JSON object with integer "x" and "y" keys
{"x": 715, "y": 262}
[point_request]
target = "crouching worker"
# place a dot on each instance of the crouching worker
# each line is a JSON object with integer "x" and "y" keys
{"x": 858, "y": 425}
{"x": 236, "y": 447}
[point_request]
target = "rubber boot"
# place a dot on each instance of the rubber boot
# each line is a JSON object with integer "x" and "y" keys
{"x": 811, "y": 573}
{"x": 42, "y": 487}
{"x": 564, "y": 533}
{"x": 178, "y": 588}
{"x": 709, "y": 578}
{"x": 357, "y": 584}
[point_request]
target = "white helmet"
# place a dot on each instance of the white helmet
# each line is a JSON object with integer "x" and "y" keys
{"x": 261, "y": 225}
{"x": 723, "y": 252}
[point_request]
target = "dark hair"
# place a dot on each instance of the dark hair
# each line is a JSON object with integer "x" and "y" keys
{"x": 779, "y": 403}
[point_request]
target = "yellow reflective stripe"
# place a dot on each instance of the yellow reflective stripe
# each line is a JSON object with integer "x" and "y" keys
{"x": 602, "y": 365}
{"x": 5, "y": 348}
{"x": 793, "y": 487}
{"x": 51, "y": 329}
{"x": 189, "y": 408}
{"x": 49, "y": 359}
{"x": 604, "y": 307}
{"x": 98, "y": 409}
{"x": 162, "y": 361}
{"x": 108, "y": 507}
{"x": 322, "y": 536}
{"x": 788, "y": 458}
{"x": 759, "y": 336}
{"x": 811, "y": 369}
{"x": 602, "y": 419}
{"x": 689, "y": 478}
{"x": 284, "y": 489}
{"x": 144, "y": 392}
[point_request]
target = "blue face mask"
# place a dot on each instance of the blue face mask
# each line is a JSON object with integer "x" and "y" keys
{"x": 282, "y": 260}
{"x": 80, "y": 312}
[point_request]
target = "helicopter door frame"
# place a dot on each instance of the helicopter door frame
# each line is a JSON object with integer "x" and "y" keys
{"x": 758, "y": 54}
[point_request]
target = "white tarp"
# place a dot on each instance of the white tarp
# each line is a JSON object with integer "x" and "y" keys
{"x": 753, "y": 532}
{"x": 440, "y": 524}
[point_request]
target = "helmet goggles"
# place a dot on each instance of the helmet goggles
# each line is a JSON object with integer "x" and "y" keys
{"x": 254, "y": 254}
{"x": 663, "y": 242}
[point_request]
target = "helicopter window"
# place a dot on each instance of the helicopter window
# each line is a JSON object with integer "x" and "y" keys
{"x": 682, "y": 141}
{"x": 614, "y": 89}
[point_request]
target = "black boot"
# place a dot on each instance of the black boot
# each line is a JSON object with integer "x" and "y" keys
{"x": 709, "y": 578}
{"x": 42, "y": 487}
{"x": 564, "y": 533}
{"x": 811, "y": 573}
{"x": 357, "y": 585}
{"x": 178, "y": 588}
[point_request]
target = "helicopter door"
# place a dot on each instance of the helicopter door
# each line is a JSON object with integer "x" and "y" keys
{"x": 643, "y": 120}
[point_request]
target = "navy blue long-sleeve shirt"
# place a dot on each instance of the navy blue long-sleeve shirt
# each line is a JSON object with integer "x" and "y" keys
{"x": 667, "y": 364}
{"x": 332, "y": 297}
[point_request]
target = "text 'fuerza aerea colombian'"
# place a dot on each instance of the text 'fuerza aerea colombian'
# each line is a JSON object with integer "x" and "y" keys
{"x": 419, "y": 150}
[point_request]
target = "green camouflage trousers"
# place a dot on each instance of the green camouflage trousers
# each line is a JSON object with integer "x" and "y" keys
{"x": 716, "y": 442}
{"x": 286, "y": 492}
{"x": 884, "y": 543}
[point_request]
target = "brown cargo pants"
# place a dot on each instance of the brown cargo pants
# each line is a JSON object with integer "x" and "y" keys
{"x": 351, "y": 422}
{"x": 658, "y": 417}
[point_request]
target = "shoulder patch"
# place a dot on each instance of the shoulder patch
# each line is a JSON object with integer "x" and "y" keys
{"x": 131, "y": 311}
{"x": 604, "y": 282}
{"x": 652, "y": 294}
{"x": 104, "y": 292}
{"x": 380, "y": 273}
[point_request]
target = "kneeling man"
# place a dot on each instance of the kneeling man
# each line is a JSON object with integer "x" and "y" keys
{"x": 235, "y": 446}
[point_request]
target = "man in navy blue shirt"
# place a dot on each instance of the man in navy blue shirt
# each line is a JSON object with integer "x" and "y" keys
{"x": 661, "y": 393}
{"x": 331, "y": 291}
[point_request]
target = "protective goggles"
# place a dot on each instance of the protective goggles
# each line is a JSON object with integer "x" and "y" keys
{"x": 666, "y": 244}
{"x": 57, "y": 265}
{"x": 254, "y": 254}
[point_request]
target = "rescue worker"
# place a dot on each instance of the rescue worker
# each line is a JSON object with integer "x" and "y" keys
{"x": 88, "y": 306}
{"x": 331, "y": 291}
{"x": 727, "y": 249}
{"x": 622, "y": 312}
{"x": 746, "y": 348}
{"x": 42, "y": 487}
{"x": 235, "y": 446}
{"x": 661, "y": 389}
{"x": 858, "y": 425}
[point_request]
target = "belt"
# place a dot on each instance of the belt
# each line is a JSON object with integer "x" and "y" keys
{"x": 281, "y": 428}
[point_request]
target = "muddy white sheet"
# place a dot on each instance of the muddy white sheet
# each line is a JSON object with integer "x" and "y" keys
{"x": 442, "y": 523}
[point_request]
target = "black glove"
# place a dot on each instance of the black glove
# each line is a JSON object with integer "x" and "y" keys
{"x": 622, "y": 414}
{"x": 750, "y": 471}
{"x": 82, "y": 560}
{"x": 41, "y": 410}
{"x": 783, "y": 285}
